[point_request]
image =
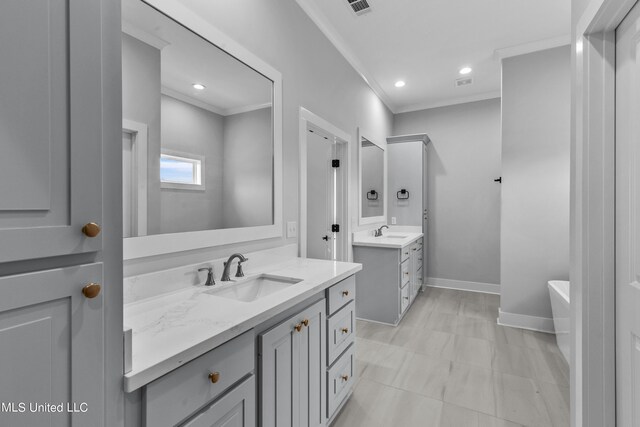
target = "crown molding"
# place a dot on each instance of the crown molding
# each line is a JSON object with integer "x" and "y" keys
{"x": 535, "y": 46}
{"x": 246, "y": 109}
{"x": 191, "y": 100}
{"x": 145, "y": 37}
{"x": 338, "y": 42}
{"x": 450, "y": 101}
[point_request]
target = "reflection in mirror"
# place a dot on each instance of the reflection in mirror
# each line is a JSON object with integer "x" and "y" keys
{"x": 197, "y": 131}
{"x": 372, "y": 179}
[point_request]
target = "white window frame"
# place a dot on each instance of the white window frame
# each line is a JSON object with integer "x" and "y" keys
{"x": 199, "y": 171}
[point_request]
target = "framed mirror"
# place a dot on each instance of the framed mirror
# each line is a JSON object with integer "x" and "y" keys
{"x": 373, "y": 181}
{"x": 202, "y": 135}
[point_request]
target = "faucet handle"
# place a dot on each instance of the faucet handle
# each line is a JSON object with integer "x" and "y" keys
{"x": 239, "y": 271}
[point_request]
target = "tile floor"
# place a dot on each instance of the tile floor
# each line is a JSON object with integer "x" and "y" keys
{"x": 448, "y": 364}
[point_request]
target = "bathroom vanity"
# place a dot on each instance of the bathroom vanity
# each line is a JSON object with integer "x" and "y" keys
{"x": 205, "y": 354}
{"x": 392, "y": 274}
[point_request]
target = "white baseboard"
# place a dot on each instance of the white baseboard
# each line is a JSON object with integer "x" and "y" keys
{"x": 522, "y": 321}
{"x": 488, "y": 288}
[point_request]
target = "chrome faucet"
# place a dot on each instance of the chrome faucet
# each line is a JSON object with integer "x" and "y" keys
{"x": 210, "y": 280}
{"x": 378, "y": 232}
{"x": 227, "y": 265}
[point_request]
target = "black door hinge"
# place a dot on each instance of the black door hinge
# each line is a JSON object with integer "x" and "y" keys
{"x": 335, "y": 228}
{"x": 498, "y": 180}
{"x": 335, "y": 163}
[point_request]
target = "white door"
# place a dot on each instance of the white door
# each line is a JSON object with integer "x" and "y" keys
{"x": 628, "y": 220}
{"x": 320, "y": 197}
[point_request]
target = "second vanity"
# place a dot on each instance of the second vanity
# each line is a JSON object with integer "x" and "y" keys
{"x": 392, "y": 273}
{"x": 281, "y": 351}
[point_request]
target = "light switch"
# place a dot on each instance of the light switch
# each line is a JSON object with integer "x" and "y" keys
{"x": 292, "y": 229}
{"x": 393, "y": 220}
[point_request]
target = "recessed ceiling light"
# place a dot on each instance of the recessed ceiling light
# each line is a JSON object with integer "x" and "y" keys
{"x": 465, "y": 70}
{"x": 400, "y": 83}
{"x": 198, "y": 86}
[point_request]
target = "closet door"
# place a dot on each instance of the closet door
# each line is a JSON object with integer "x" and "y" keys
{"x": 51, "y": 348}
{"x": 50, "y": 128}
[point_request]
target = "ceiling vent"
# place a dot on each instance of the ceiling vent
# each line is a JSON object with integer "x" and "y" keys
{"x": 359, "y": 7}
{"x": 464, "y": 81}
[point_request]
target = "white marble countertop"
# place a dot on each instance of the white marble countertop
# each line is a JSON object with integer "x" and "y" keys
{"x": 174, "y": 328}
{"x": 393, "y": 239}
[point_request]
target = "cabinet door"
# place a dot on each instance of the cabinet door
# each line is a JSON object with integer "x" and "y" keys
{"x": 235, "y": 409}
{"x": 292, "y": 363}
{"x": 51, "y": 348}
{"x": 50, "y": 137}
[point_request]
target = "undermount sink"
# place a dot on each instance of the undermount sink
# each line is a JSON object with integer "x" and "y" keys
{"x": 255, "y": 288}
{"x": 395, "y": 236}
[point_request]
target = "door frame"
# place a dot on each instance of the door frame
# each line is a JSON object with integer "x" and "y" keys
{"x": 593, "y": 370}
{"x": 308, "y": 118}
{"x": 139, "y": 141}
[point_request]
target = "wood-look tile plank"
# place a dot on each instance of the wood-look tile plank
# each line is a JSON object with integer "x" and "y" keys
{"x": 512, "y": 359}
{"x": 471, "y": 387}
{"x": 557, "y": 399}
{"x": 473, "y": 351}
{"x": 519, "y": 400}
{"x": 424, "y": 376}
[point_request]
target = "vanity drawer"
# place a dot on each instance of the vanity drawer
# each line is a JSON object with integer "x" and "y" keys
{"x": 405, "y": 276}
{"x": 341, "y": 293}
{"x": 339, "y": 381}
{"x": 173, "y": 397}
{"x": 404, "y": 298}
{"x": 340, "y": 330}
{"x": 405, "y": 253}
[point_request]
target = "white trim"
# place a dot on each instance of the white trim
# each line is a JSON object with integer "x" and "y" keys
{"x": 522, "y": 321}
{"x": 308, "y": 118}
{"x": 463, "y": 285}
{"x": 145, "y": 37}
{"x": 332, "y": 34}
{"x": 383, "y": 146}
{"x": 139, "y": 134}
{"x": 593, "y": 377}
{"x": 451, "y": 101}
{"x": 523, "y": 49}
{"x": 246, "y": 108}
{"x": 191, "y": 100}
{"x": 160, "y": 244}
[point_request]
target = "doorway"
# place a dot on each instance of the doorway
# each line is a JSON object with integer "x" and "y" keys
{"x": 134, "y": 179}
{"x": 324, "y": 189}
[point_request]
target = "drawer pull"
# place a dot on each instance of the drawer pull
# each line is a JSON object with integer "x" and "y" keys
{"x": 298, "y": 327}
{"x": 406, "y": 253}
{"x": 406, "y": 273}
{"x": 414, "y": 249}
{"x": 345, "y": 293}
{"x": 91, "y": 229}
{"x": 344, "y": 377}
{"x": 305, "y": 322}
{"x": 214, "y": 377}
{"x": 92, "y": 290}
{"x": 345, "y": 330}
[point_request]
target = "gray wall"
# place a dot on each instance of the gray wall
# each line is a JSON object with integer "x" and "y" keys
{"x": 317, "y": 78}
{"x": 405, "y": 172}
{"x": 535, "y": 192}
{"x": 192, "y": 130}
{"x": 248, "y": 169}
{"x": 141, "y": 103}
{"x": 463, "y": 201}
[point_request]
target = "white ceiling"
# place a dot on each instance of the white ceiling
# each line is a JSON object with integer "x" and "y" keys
{"x": 231, "y": 86}
{"x": 426, "y": 42}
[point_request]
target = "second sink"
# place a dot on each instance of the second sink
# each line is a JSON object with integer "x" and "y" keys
{"x": 255, "y": 288}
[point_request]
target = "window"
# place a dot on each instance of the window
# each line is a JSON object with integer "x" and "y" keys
{"x": 181, "y": 171}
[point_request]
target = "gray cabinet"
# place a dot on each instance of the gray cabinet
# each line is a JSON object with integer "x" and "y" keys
{"x": 50, "y": 138}
{"x": 51, "y": 341}
{"x": 389, "y": 281}
{"x": 292, "y": 359}
{"x": 235, "y": 409}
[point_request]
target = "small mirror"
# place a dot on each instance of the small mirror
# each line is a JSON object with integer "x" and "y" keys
{"x": 198, "y": 132}
{"x": 372, "y": 182}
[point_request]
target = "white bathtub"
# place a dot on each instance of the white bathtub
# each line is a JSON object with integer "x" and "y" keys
{"x": 559, "y": 292}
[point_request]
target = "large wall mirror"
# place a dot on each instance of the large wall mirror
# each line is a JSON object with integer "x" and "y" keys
{"x": 201, "y": 135}
{"x": 372, "y": 181}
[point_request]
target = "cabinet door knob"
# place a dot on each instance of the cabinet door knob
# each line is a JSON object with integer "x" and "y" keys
{"x": 92, "y": 290}
{"x": 345, "y": 293}
{"x": 91, "y": 229}
{"x": 214, "y": 377}
{"x": 305, "y": 322}
{"x": 344, "y": 377}
{"x": 345, "y": 330}
{"x": 298, "y": 327}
